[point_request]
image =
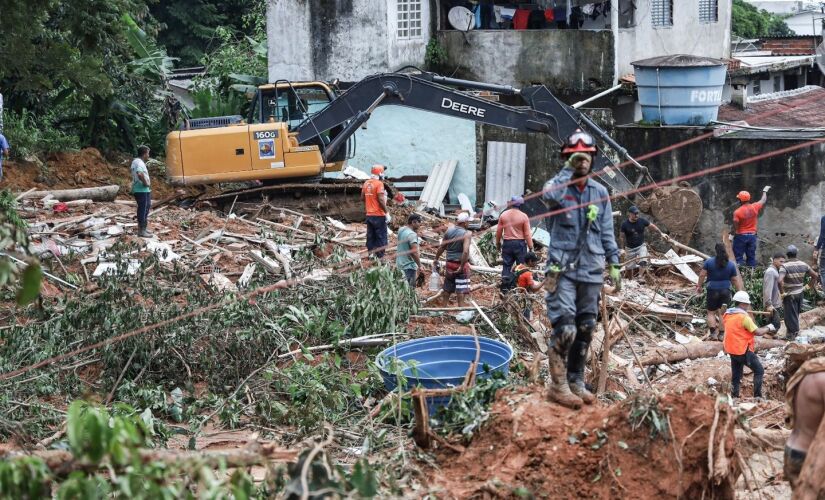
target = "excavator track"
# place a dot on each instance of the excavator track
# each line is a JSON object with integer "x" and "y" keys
{"x": 338, "y": 198}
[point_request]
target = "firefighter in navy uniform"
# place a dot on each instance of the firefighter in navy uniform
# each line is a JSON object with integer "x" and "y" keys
{"x": 581, "y": 243}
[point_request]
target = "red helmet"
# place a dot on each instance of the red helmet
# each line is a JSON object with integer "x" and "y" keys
{"x": 579, "y": 142}
{"x": 744, "y": 196}
{"x": 377, "y": 169}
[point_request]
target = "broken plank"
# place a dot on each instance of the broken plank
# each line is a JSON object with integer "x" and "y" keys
{"x": 276, "y": 252}
{"x": 220, "y": 282}
{"x": 246, "y": 277}
{"x": 268, "y": 264}
{"x": 683, "y": 268}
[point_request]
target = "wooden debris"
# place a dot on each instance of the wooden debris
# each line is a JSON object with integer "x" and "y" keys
{"x": 268, "y": 264}
{"x": 808, "y": 319}
{"x": 101, "y": 193}
{"x": 683, "y": 268}
{"x": 696, "y": 350}
{"x": 220, "y": 282}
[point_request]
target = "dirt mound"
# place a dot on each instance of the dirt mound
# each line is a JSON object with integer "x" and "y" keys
{"x": 533, "y": 446}
{"x": 75, "y": 169}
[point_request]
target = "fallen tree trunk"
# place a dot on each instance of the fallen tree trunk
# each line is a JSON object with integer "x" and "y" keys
{"x": 696, "y": 350}
{"x": 100, "y": 193}
{"x": 808, "y": 319}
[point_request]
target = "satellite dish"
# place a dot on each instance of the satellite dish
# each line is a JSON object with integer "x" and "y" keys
{"x": 461, "y": 18}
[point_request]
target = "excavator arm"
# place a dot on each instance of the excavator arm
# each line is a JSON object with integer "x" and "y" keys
{"x": 542, "y": 113}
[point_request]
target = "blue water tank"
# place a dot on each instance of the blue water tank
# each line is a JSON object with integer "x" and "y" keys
{"x": 680, "y": 89}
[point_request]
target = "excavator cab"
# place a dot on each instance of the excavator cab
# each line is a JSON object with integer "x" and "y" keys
{"x": 261, "y": 147}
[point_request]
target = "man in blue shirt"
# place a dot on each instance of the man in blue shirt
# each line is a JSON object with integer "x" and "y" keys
{"x": 4, "y": 149}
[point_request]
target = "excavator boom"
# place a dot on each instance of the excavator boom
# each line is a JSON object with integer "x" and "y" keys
{"x": 542, "y": 112}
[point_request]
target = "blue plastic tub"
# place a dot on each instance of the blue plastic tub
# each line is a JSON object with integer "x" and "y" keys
{"x": 442, "y": 362}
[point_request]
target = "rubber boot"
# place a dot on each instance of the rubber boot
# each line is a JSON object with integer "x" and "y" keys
{"x": 559, "y": 390}
{"x": 576, "y": 359}
{"x": 578, "y": 388}
{"x": 144, "y": 233}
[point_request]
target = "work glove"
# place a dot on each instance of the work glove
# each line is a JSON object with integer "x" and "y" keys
{"x": 388, "y": 217}
{"x": 771, "y": 328}
{"x": 766, "y": 189}
{"x": 592, "y": 213}
{"x": 730, "y": 237}
{"x": 616, "y": 275}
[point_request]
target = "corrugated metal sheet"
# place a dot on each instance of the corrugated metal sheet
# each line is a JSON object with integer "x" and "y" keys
{"x": 505, "y": 170}
{"x": 437, "y": 184}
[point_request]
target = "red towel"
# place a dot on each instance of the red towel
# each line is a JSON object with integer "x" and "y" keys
{"x": 520, "y": 19}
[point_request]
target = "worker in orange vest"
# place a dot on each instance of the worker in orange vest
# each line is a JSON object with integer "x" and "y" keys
{"x": 375, "y": 201}
{"x": 740, "y": 331}
{"x": 744, "y": 227}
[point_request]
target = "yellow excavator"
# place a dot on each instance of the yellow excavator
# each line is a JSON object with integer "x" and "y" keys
{"x": 297, "y": 132}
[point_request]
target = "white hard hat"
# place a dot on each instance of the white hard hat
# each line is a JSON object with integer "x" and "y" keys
{"x": 464, "y": 217}
{"x": 741, "y": 297}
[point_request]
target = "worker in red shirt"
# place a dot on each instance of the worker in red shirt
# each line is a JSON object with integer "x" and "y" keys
{"x": 375, "y": 200}
{"x": 514, "y": 227}
{"x": 524, "y": 279}
{"x": 744, "y": 227}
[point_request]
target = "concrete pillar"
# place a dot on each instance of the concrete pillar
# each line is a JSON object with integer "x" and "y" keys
{"x": 739, "y": 95}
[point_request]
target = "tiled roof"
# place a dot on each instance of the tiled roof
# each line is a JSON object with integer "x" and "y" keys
{"x": 803, "y": 110}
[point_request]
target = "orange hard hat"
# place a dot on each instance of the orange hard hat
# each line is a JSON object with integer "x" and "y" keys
{"x": 744, "y": 196}
{"x": 377, "y": 169}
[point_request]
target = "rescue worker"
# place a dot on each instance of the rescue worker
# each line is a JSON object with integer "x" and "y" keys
{"x": 720, "y": 274}
{"x": 407, "y": 259}
{"x": 524, "y": 280}
{"x": 632, "y": 232}
{"x": 374, "y": 197}
{"x": 581, "y": 240}
{"x": 456, "y": 242}
{"x": 804, "y": 410}
{"x": 740, "y": 345}
{"x": 771, "y": 296}
{"x": 514, "y": 227}
{"x": 744, "y": 227}
{"x": 791, "y": 284}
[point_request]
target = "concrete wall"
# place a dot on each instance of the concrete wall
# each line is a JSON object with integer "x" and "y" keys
{"x": 795, "y": 204}
{"x": 564, "y": 60}
{"x": 411, "y": 141}
{"x": 343, "y": 39}
{"x": 686, "y": 36}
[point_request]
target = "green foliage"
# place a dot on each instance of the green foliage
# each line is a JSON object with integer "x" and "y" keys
{"x": 645, "y": 411}
{"x": 209, "y": 103}
{"x": 382, "y": 301}
{"x": 233, "y": 55}
{"x": 747, "y": 21}
{"x": 435, "y": 56}
{"x": 29, "y": 135}
{"x": 12, "y": 237}
{"x": 187, "y": 26}
{"x": 468, "y": 410}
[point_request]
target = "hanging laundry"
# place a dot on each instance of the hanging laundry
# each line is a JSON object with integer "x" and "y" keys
{"x": 507, "y": 13}
{"x": 548, "y": 15}
{"x": 520, "y": 19}
{"x": 588, "y": 9}
{"x": 536, "y": 20}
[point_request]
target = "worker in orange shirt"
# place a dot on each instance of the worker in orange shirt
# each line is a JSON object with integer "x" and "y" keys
{"x": 375, "y": 200}
{"x": 514, "y": 227}
{"x": 744, "y": 227}
{"x": 740, "y": 345}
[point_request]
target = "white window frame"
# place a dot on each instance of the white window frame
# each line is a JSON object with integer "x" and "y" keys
{"x": 408, "y": 19}
{"x": 708, "y": 11}
{"x": 661, "y": 13}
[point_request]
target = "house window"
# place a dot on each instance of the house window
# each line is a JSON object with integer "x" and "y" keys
{"x": 661, "y": 12}
{"x": 409, "y": 19}
{"x": 627, "y": 13}
{"x": 708, "y": 11}
{"x": 777, "y": 83}
{"x": 757, "y": 87}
